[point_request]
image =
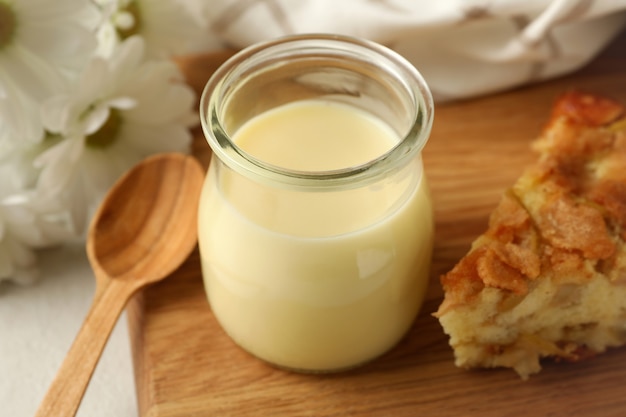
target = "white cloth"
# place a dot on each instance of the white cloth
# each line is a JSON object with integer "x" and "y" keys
{"x": 38, "y": 323}
{"x": 463, "y": 48}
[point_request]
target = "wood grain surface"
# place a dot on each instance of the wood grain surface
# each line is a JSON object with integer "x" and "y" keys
{"x": 186, "y": 366}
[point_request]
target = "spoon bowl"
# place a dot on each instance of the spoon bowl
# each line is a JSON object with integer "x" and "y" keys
{"x": 147, "y": 226}
{"x": 144, "y": 230}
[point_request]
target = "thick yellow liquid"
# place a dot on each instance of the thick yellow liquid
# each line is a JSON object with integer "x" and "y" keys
{"x": 315, "y": 136}
{"x": 315, "y": 281}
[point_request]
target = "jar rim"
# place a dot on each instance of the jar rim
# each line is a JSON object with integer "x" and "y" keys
{"x": 409, "y": 145}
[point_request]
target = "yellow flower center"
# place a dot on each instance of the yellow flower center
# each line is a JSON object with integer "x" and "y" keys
{"x": 132, "y": 8}
{"x": 107, "y": 134}
{"x": 7, "y": 24}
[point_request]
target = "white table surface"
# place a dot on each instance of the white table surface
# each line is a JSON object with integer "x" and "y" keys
{"x": 38, "y": 323}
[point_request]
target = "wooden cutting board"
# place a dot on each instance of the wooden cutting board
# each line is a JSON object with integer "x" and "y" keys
{"x": 186, "y": 366}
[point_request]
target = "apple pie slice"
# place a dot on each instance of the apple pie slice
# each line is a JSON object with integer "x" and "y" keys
{"x": 548, "y": 277}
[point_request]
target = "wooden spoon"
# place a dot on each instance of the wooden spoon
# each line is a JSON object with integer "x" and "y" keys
{"x": 144, "y": 230}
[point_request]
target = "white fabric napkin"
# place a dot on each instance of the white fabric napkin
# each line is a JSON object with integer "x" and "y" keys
{"x": 463, "y": 48}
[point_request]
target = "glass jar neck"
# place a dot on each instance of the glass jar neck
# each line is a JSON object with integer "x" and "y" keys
{"x": 333, "y": 68}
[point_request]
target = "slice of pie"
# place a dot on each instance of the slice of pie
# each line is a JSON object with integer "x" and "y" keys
{"x": 548, "y": 277}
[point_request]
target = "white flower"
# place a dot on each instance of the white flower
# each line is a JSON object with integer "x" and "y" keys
{"x": 169, "y": 27}
{"x": 16, "y": 168}
{"x": 25, "y": 223}
{"x": 17, "y": 258}
{"x": 121, "y": 110}
{"x": 32, "y": 224}
{"x": 42, "y": 43}
{"x": 17, "y": 261}
{"x": 24, "y": 227}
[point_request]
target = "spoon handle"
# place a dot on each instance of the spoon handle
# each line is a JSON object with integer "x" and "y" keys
{"x": 68, "y": 387}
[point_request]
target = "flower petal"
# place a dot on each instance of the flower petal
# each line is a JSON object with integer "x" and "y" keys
{"x": 95, "y": 119}
{"x": 58, "y": 166}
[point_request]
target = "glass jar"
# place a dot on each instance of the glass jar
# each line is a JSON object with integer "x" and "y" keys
{"x": 311, "y": 265}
